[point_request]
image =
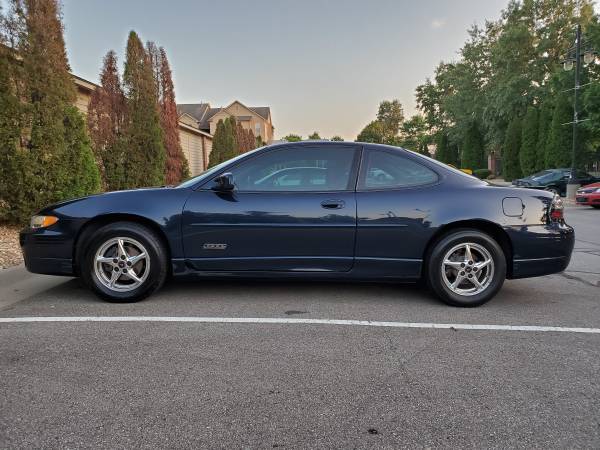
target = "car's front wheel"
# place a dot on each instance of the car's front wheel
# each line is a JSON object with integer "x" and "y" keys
{"x": 124, "y": 262}
{"x": 466, "y": 268}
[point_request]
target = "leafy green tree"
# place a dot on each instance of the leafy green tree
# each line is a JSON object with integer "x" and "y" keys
{"x": 314, "y": 137}
{"x": 292, "y": 138}
{"x": 390, "y": 116}
{"x": 473, "y": 153}
{"x": 336, "y": 138}
{"x": 545, "y": 124}
{"x": 415, "y": 136}
{"x": 529, "y": 138}
{"x": 560, "y": 139}
{"x": 511, "y": 164}
{"x": 144, "y": 164}
{"x": 373, "y": 132}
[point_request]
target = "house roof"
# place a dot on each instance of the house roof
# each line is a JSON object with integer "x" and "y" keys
{"x": 202, "y": 112}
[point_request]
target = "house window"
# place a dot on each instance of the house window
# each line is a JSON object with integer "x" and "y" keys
{"x": 257, "y": 129}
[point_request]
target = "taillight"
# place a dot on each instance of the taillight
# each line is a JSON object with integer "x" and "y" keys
{"x": 557, "y": 210}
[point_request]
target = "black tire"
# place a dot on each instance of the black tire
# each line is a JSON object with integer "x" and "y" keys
{"x": 596, "y": 206}
{"x": 435, "y": 278}
{"x": 554, "y": 190}
{"x": 157, "y": 272}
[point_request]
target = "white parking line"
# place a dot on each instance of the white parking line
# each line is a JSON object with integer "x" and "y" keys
{"x": 276, "y": 320}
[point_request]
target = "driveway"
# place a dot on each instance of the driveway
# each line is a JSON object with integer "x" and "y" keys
{"x": 307, "y": 366}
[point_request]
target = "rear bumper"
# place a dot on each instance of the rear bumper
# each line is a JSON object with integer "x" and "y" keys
{"x": 540, "y": 250}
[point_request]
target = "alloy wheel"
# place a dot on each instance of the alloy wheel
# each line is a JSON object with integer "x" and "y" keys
{"x": 468, "y": 269}
{"x": 122, "y": 264}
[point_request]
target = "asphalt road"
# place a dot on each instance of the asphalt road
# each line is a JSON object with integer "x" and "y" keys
{"x": 291, "y": 385}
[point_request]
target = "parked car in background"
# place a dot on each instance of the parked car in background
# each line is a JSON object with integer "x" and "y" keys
{"x": 589, "y": 195}
{"x": 317, "y": 210}
{"x": 554, "y": 180}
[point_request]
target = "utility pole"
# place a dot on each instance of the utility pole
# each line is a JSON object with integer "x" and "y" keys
{"x": 573, "y": 183}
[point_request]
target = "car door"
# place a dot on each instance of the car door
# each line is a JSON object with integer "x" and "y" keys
{"x": 394, "y": 196}
{"x": 293, "y": 208}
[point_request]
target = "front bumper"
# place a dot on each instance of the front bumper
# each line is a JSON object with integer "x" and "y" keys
{"x": 540, "y": 250}
{"x": 47, "y": 251}
{"x": 588, "y": 199}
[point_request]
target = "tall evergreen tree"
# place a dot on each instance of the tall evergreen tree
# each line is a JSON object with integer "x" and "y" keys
{"x": 53, "y": 146}
{"x": 473, "y": 153}
{"x": 560, "y": 138}
{"x": 545, "y": 125}
{"x": 176, "y": 165}
{"x": 218, "y": 153}
{"x": 511, "y": 164}
{"x": 145, "y": 158}
{"x": 445, "y": 151}
{"x": 529, "y": 138}
{"x": 106, "y": 121}
{"x": 15, "y": 167}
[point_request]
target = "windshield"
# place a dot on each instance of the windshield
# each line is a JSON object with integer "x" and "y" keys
{"x": 207, "y": 173}
{"x": 542, "y": 175}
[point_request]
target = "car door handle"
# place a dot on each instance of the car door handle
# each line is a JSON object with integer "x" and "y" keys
{"x": 333, "y": 204}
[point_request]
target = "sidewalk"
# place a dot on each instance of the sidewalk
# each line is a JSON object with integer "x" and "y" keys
{"x": 17, "y": 284}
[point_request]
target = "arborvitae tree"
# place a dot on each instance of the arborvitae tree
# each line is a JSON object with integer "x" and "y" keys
{"x": 560, "y": 139}
{"x": 529, "y": 138}
{"x": 473, "y": 154}
{"x": 176, "y": 165}
{"x": 231, "y": 142}
{"x": 259, "y": 141}
{"x": 315, "y": 136}
{"x": 218, "y": 152}
{"x": 544, "y": 126}
{"x": 511, "y": 164}
{"x": 145, "y": 158}
{"x": 106, "y": 124}
{"x": 52, "y": 140}
{"x": 444, "y": 151}
{"x": 15, "y": 168}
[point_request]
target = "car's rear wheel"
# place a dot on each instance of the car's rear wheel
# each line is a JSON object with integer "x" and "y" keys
{"x": 124, "y": 262}
{"x": 553, "y": 190}
{"x": 466, "y": 268}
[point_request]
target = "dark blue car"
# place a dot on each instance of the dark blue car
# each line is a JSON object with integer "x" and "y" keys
{"x": 319, "y": 210}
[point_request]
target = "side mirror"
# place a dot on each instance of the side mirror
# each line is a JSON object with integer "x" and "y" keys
{"x": 224, "y": 183}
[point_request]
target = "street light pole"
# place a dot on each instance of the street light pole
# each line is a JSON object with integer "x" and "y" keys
{"x": 573, "y": 184}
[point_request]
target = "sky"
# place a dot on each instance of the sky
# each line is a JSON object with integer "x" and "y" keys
{"x": 321, "y": 65}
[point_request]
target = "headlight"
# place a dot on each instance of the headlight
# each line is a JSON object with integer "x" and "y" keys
{"x": 597, "y": 190}
{"x": 42, "y": 221}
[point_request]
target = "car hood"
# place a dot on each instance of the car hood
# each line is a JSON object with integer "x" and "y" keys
{"x": 589, "y": 186}
{"x": 116, "y": 194}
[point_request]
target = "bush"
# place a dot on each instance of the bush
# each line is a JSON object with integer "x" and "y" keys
{"x": 482, "y": 174}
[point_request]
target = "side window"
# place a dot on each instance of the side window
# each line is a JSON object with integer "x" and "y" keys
{"x": 387, "y": 170}
{"x": 319, "y": 168}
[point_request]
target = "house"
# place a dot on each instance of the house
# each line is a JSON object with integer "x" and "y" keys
{"x": 195, "y": 143}
{"x": 255, "y": 118}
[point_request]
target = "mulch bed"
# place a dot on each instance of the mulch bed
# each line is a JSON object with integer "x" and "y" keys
{"x": 10, "y": 250}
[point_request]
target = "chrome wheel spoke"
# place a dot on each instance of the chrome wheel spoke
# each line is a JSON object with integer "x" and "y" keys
{"x": 459, "y": 279}
{"x": 454, "y": 264}
{"x": 468, "y": 254}
{"x": 114, "y": 276}
{"x": 137, "y": 258}
{"x": 480, "y": 265}
{"x": 104, "y": 260}
{"x": 131, "y": 274}
{"x": 122, "y": 251}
